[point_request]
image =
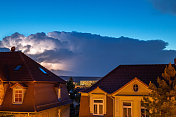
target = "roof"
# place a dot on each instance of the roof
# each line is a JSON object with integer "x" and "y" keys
{"x": 125, "y": 73}
{"x": 16, "y": 66}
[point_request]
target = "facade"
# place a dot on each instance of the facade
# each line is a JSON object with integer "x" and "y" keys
{"x": 119, "y": 93}
{"x": 29, "y": 89}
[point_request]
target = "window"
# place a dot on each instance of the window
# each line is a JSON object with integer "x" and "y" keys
{"x": 144, "y": 112}
{"x": 127, "y": 109}
{"x": 98, "y": 107}
{"x": 59, "y": 93}
{"x": 17, "y": 96}
{"x": 42, "y": 70}
{"x": 17, "y": 67}
{"x": 135, "y": 87}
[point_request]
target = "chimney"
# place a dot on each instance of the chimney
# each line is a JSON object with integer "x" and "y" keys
{"x": 13, "y": 49}
{"x": 175, "y": 61}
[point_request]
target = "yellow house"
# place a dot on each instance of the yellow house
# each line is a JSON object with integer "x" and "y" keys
{"x": 119, "y": 93}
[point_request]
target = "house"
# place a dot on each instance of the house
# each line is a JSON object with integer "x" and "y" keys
{"x": 29, "y": 89}
{"x": 119, "y": 93}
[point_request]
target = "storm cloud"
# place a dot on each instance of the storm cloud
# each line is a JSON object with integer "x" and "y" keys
{"x": 166, "y": 6}
{"x": 85, "y": 54}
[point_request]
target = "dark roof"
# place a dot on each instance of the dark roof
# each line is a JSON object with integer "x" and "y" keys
{"x": 16, "y": 66}
{"x": 125, "y": 73}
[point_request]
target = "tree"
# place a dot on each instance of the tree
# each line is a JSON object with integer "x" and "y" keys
{"x": 70, "y": 85}
{"x": 161, "y": 102}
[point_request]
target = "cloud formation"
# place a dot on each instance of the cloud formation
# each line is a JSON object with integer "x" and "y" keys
{"x": 85, "y": 54}
{"x": 166, "y": 6}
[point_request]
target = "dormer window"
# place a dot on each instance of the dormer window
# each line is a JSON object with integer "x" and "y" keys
{"x": 18, "y": 93}
{"x": 17, "y": 96}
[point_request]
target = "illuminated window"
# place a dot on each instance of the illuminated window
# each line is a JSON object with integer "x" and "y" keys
{"x": 42, "y": 70}
{"x": 59, "y": 93}
{"x": 98, "y": 107}
{"x": 135, "y": 87}
{"x": 17, "y": 96}
{"x": 17, "y": 67}
{"x": 127, "y": 109}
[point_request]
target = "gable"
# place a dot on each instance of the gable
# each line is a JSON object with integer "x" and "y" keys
{"x": 128, "y": 89}
{"x": 97, "y": 91}
{"x": 18, "y": 86}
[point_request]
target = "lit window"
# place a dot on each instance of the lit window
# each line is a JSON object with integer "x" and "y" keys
{"x": 42, "y": 70}
{"x": 18, "y": 96}
{"x": 127, "y": 109}
{"x": 135, "y": 87}
{"x": 98, "y": 107}
{"x": 17, "y": 67}
{"x": 144, "y": 112}
{"x": 59, "y": 93}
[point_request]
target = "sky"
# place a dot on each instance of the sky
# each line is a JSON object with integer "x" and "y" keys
{"x": 140, "y": 19}
{"x": 106, "y": 33}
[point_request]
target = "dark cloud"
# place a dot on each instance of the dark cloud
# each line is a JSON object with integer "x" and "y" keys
{"x": 85, "y": 54}
{"x": 166, "y": 6}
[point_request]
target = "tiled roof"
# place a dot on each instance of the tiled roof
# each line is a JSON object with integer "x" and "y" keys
{"x": 125, "y": 73}
{"x": 16, "y": 66}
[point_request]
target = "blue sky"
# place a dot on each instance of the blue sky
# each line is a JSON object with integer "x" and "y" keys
{"x": 138, "y": 19}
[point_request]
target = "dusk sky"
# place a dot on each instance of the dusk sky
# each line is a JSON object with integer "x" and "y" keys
{"x": 150, "y": 26}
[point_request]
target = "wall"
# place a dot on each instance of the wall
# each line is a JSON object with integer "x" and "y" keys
{"x": 53, "y": 112}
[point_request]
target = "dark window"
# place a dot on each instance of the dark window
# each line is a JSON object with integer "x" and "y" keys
{"x": 135, "y": 87}
{"x": 17, "y": 67}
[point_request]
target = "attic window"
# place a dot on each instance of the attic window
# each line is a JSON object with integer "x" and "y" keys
{"x": 42, "y": 70}
{"x": 135, "y": 87}
{"x": 17, "y": 67}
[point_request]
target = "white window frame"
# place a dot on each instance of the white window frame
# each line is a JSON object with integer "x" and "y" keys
{"x": 98, "y": 106}
{"x": 14, "y": 92}
{"x": 127, "y": 107}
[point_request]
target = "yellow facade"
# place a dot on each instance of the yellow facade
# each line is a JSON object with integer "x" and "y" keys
{"x": 127, "y": 94}
{"x": 122, "y": 95}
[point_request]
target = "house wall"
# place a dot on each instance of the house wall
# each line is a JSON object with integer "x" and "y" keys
{"x": 86, "y": 108}
{"x": 63, "y": 111}
{"x": 127, "y": 94}
{"x": 136, "y": 105}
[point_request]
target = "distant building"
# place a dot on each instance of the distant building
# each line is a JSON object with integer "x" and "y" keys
{"x": 82, "y": 81}
{"x": 87, "y": 83}
{"x": 29, "y": 89}
{"x": 119, "y": 93}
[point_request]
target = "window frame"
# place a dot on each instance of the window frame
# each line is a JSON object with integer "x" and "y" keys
{"x": 135, "y": 87}
{"x": 145, "y": 111}
{"x": 14, "y": 97}
{"x": 94, "y": 103}
{"x": 127, "y": 107}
